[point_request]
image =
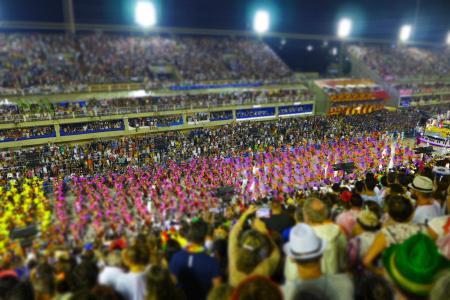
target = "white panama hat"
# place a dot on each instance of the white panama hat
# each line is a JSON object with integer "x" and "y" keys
{"x": 303, "y": 243}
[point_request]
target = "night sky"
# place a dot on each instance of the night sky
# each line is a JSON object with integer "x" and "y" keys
{"x": 371, "y": 18}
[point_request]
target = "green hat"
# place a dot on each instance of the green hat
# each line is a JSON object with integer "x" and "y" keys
{"x": 414, "y": 264}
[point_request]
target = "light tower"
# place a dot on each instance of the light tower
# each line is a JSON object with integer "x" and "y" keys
{"x": 343, "y": 32}
{"x": 69, "y": 19}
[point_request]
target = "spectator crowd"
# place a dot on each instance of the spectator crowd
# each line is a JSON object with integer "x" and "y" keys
{"x": 92, "y": 126}
{"x": 159, "y": 121}
{"x": 243, "y": 211}
{"x": 94, "y": 107}
{"x": 321, "y": 207}
{"x": 36, "y": 62}
{"x": 397, "y": 63}
{"x": 424, "y": 88}
{"x": 25, "y": 133}
{"x": 223, "y": 141}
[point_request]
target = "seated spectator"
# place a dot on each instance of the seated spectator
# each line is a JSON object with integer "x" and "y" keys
{"x": 305, "y": 250}
{"x": 252, "y": 252}
{"x": 413, "y": 266}
{"x": 91, "y": 127}
{"x": 43, "y": 63}
{"x": 395, "y": 63}
{"x": 15, "y": 134}
{"x": 195, "y": 270}
{"x": 426, "y": 207}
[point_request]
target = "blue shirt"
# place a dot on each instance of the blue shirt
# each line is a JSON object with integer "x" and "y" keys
{"x": 194, "y": 272}
{"x": 285, "y": 235}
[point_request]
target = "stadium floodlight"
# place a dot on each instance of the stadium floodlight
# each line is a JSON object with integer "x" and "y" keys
{"x": 145, "y": 14}
{"x": 405, "y": 33}
{"x": 448, "y": 38}
{"x": 344, "y": 28}
{"x": 310, "y": 48}
{"x": 334, "y": 51}
{"x": 261, "y": 21}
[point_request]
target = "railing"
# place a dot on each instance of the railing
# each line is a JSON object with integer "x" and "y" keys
{"x": 63, "y": 133}
{"x": 252, "y": 112}
{"x": 131, "y": 86}
{"x": 33, "y": 137}
{"x": 69, "y": 89}
{"x": 421, "y": 79}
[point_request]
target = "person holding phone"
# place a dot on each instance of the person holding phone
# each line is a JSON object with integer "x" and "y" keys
{"x": 253, "y": 251}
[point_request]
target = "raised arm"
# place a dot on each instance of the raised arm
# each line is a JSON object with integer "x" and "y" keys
{"x": 378, "y": 246}
{"x": 233, "y": 242}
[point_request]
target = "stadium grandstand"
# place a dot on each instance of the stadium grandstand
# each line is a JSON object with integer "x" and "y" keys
{"x": 36, "y": 63}
{"x": 143, "y": 162}
{"x": 416, "y": 75}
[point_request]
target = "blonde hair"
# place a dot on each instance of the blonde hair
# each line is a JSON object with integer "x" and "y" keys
{"x": 315, "y": 210}
{"x": 252, "y": 243}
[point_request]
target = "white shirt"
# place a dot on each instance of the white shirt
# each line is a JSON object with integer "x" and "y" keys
{"x": 437, "y": 224}
{"x": 108, "y": 276}
{"x": 131, "y": 285}
{"x": 375, "y": 198}
{"x": 335, "y": 287}
{"x": 424, "y": 213}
